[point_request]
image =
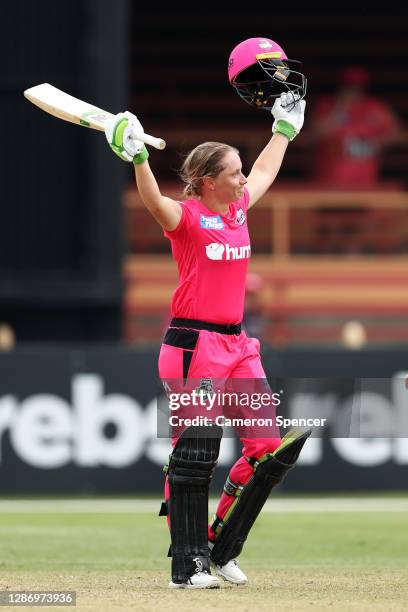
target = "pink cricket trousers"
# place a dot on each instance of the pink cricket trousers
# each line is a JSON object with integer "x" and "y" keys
{"x": 198, "y": 353}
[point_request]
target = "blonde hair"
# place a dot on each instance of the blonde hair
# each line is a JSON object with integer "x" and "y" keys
{"x": 203, "y": 161}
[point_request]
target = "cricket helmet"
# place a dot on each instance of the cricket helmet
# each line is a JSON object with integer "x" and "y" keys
{"x": 259, "y": 70}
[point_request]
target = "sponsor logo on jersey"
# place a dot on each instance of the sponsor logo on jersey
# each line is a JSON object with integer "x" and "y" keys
{"x": 212, "y": 222}
{"x": 225, "y": 252}
{"x": 241, "y": 218}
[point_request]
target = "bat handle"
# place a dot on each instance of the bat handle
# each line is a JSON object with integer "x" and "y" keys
{"x": 157, "y": 143}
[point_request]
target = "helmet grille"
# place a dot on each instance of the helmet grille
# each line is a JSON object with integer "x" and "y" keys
{"x": 261, "y": 83}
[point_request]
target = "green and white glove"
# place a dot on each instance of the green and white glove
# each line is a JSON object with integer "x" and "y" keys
{"x": 289, "y": 115}
{"x": 123, "y": 134}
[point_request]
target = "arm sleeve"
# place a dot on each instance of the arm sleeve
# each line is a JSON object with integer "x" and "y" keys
{"x": 184, "y": 223}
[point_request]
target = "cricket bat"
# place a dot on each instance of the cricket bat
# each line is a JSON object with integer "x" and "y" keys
{"x": 68, "y": 108}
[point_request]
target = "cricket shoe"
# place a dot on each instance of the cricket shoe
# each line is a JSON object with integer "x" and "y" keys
{"x": 231, "y": 572}
{"x": 199, "y": 580}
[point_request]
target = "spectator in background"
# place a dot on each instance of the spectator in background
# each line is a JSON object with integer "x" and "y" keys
{"x": 349, "y": 131}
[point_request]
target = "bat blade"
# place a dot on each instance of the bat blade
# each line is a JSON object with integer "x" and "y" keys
{"x": 60, "y": 104}
{"x": 66, "y": 107}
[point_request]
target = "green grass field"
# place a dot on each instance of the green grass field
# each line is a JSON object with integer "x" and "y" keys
{"x": 297, "y": 557}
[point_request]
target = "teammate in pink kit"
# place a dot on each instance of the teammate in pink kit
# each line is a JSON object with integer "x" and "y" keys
{"x": 210, "y": 242}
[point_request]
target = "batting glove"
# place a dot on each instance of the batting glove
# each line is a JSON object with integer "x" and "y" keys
{"x": 122, "y": 133}
{"x": 289, "y": 115}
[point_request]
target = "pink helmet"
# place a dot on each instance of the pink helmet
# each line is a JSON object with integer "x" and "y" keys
{"x": 259, "y": 70}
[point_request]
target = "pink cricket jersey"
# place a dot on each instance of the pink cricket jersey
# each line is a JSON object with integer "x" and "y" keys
{"x": 212, "y": 252}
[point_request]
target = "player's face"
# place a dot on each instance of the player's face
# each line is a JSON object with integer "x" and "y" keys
{"x": 229, "y": 184}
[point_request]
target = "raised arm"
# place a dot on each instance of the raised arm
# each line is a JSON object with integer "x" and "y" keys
{"x": 288, "y": 121}
{"x": 121, "y": 133}
{"x": 166, "y": 211}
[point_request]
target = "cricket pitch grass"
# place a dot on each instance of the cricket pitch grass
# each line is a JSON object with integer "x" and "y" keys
{"x": 316, "y": 554}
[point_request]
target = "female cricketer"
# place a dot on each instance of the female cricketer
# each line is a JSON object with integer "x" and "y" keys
{"x": 210, "y": 242}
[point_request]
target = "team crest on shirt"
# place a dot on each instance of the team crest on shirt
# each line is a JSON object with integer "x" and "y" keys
{"x": 212, "y": 222}
{"x": 241, "y": 218}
